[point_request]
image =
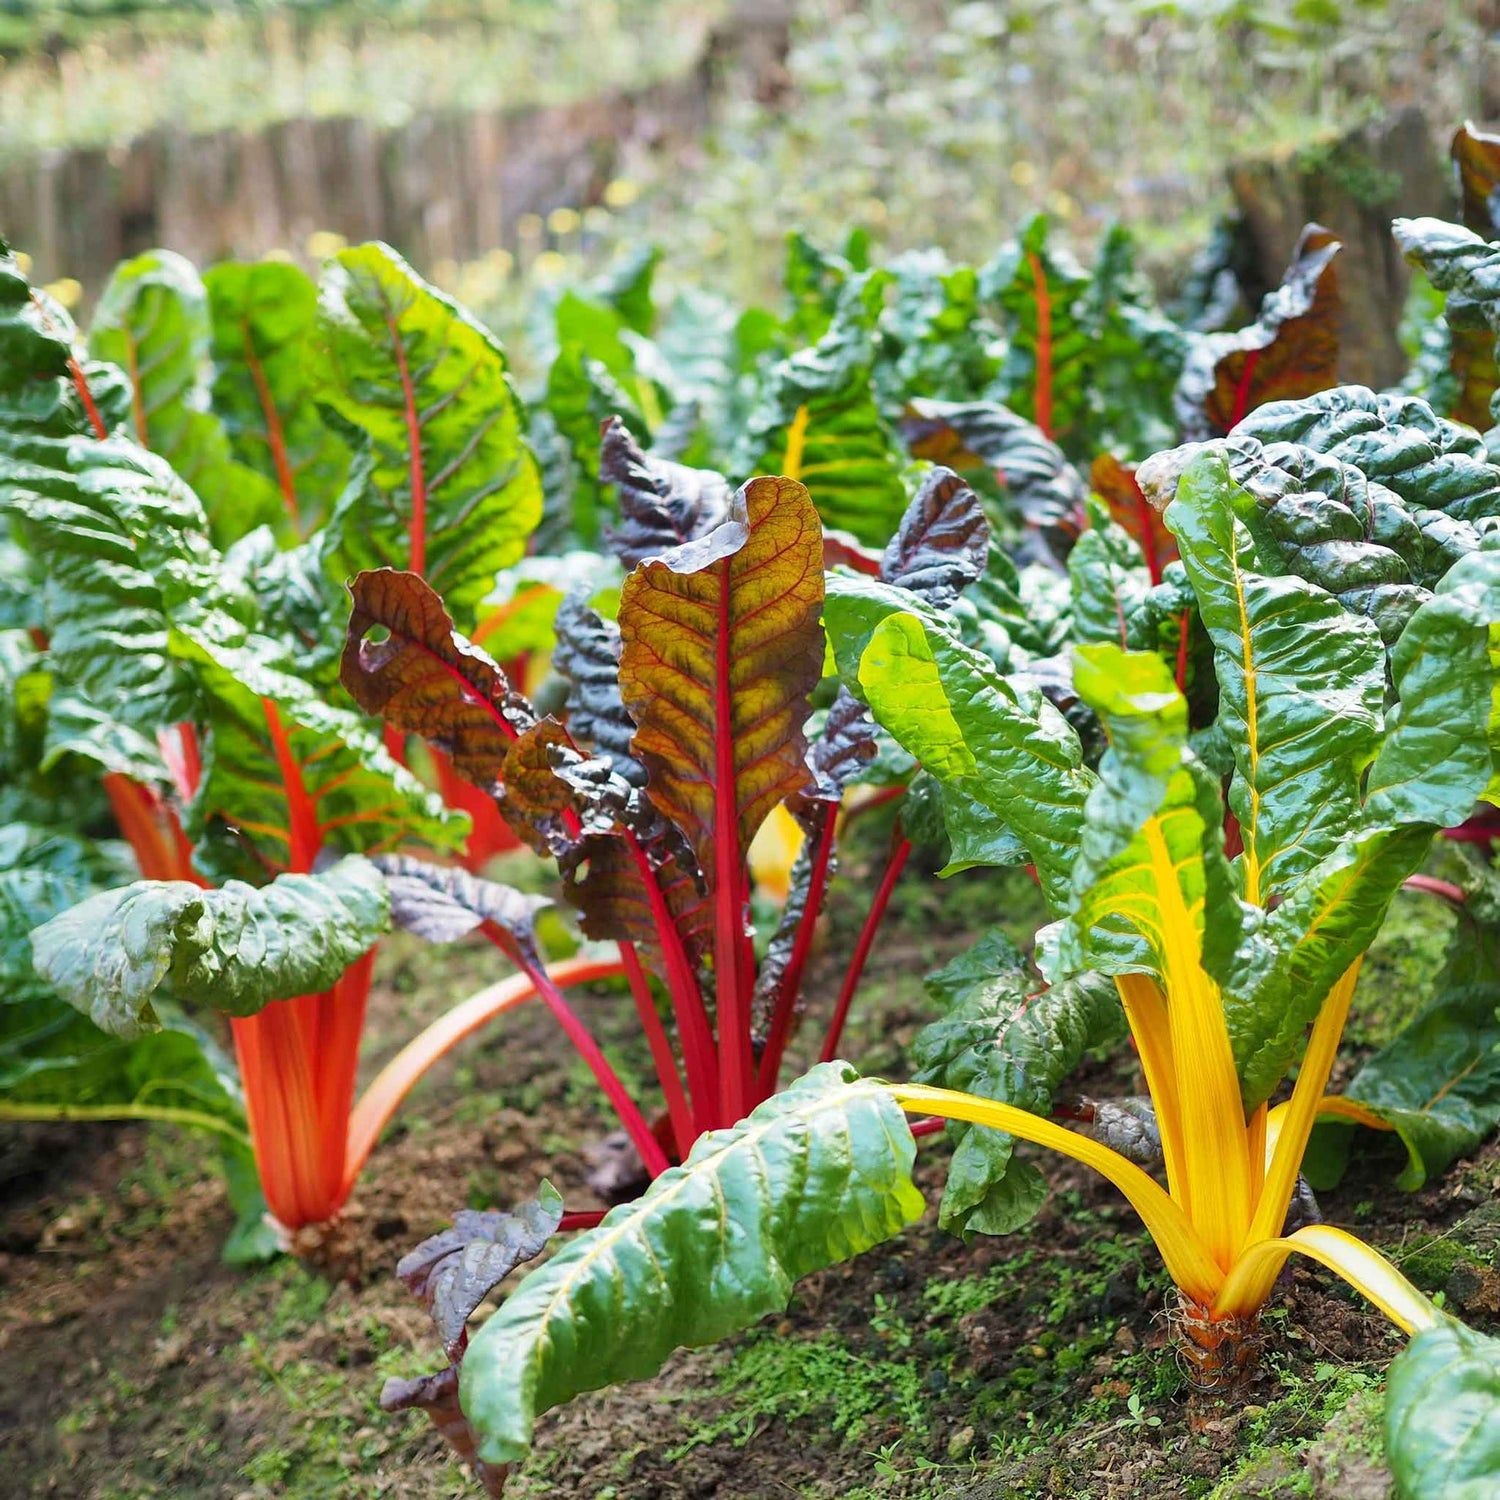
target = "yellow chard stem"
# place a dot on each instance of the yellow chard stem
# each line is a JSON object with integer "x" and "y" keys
{"x": 1364, "y": 1268}
{"x": 1295, "y": 1126}
{"x": 1146, "y": 1015}
{"x": 1334, "y": 1106}
{"x": 1215, "y": 1143}
{"x": 1187, "y": 1257}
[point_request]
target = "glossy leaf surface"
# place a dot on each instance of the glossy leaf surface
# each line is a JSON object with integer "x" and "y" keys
{"x": 814, "y": 1176}
{"x": 234, "y": 949}
{"x": 447, "y": 486}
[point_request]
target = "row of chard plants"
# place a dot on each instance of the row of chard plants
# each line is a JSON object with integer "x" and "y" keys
{"x": 305, "y": 614}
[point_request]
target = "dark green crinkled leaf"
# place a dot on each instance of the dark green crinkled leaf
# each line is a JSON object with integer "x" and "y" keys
{"x": 1394, "y": 440}
{"x": 817, "y": 1174}
{"x": 1325, "y": 521}
{"x": 814, "y": 281}
{"x": 1442, "y": 1415}
{"x": 429, "y": 389}
{"x": 1135, "y": 355}
{"x": 1301, "y": 685}
{"x": 53, "y": 1058}
{"x": 1442, "y": 746}
{"x": 1006, "y": 1037}
{"x": 818, "y": 421}
{"x": 234, "y": 949}
{"x": 125, "y": 552}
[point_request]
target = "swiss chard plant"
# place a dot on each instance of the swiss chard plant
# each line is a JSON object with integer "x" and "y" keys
{"x": 1228, "y": 968}
{"x": 188, "y": 676}
{"x": 689, "y": 723}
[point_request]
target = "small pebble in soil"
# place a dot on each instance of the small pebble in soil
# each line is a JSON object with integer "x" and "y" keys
{"x": 960, "y": 1443}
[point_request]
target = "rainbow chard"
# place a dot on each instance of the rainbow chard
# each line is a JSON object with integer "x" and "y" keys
{"x": 153, "y": 323}
{"x": 1220, "y": 965}
{"x": 1291, "y": 349}
{"x": 262, "y": 323}
{"x": 687, "y": 728}
{"x": 1227, "y": 971}
{"x": 234, "y": 780}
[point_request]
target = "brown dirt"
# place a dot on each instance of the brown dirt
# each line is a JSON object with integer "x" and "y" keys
{"x": 135, "y": 1364}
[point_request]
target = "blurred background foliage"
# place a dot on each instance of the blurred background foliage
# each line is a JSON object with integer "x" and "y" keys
{"x": 918, "y": 122}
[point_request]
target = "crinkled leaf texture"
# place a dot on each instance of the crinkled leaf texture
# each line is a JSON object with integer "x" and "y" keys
{"x": 1010, "y": 765}
{"x": 263, "y": 317}
{"x": 123, "y": 544}
{"x": 1301, "y": 684}
{"x": 1442, "y": 1415}
{"x": 153, "y": 322}
{"x": 234, "y": 949}
{"x": 817, "y": 1174}
{"x": 51, "y": 1054}
{"x": 1005, "y": 1037}
{"x": 455, "y": 1270}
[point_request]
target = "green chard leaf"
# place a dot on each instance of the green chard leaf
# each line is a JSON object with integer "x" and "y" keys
{"x": 1442, "y": 748}
{"x": 263, "y": 319}
{"x": 152, "y": 322}
{"x": 1394, "y": 440}
{"x": 445, "y": 485}
{"x": 595, "y": 377}
{"x": 48, "y": 385}
{"x": 234, "y": 949}
{"x": 124, "y": 546}
{"x": 1154, "y": 804}
{"x": 1442, "y": 1415}
{"x": 1288, "y": 960}
{"x": 935, "y": 341}
{"x": 816, "y": 1175}
{"x": 1108, "y": 582}
{"x": 1301, "y": 685}
{"x": 1044, "y": 376}
{"x": 1010, "y": 766}
{"x": 1437, "y": 1084}
{"x": 53, "y": 1055}
{"x": 1135, "y": 355}
{"x": 287, "y": 775}
{"x": 1006, "y": 1037}
{"x": 818, "y": 421}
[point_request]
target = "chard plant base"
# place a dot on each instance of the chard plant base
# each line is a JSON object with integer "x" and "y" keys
{"x": 1217, "y": 1355}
